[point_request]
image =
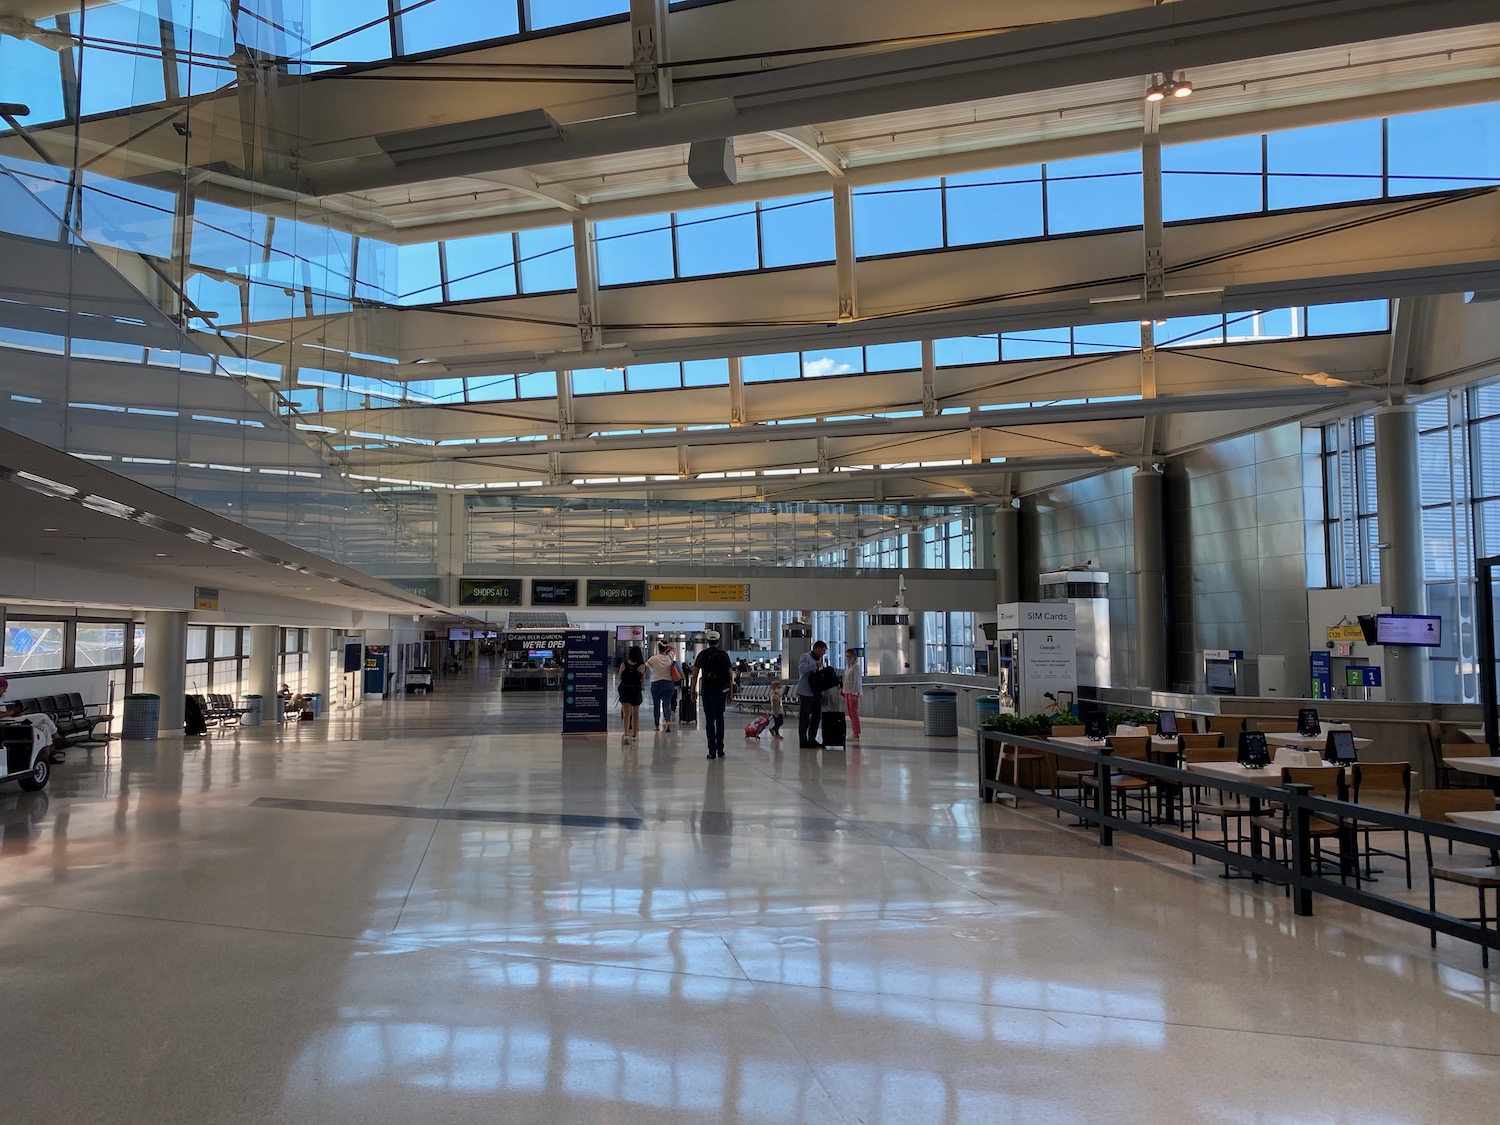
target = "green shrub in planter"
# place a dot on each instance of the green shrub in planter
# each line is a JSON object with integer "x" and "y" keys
{"x": 1133, "y": 716}
{"x": 1030, "y": 726}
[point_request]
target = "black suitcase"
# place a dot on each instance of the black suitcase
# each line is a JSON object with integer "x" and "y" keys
{"x": 835, "y": 726}
{"x": 687, "y": 711}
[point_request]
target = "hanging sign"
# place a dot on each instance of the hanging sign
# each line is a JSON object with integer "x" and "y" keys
{"x": 205, "y": 598}
{"x": 1345, "y": 633}
{"x": 723, "y": 591}
{"x": 673, "y": 592}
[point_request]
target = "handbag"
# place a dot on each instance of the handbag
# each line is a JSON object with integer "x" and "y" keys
{"x": 823, "y": 679}
{"x": 676, "y": 673}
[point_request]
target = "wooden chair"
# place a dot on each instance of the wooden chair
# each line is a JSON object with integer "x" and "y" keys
{"x": 1448, "y": 751}
{"x": 1131, "y": 747}
{"x": 1436, "y": 804}
{"x": 1390, "y": 778}
{"x": 1067, "y": 777}
{"x": 1326, "y": 781}
{"x": 1210, "y": 747}
{"x": 1225, "y": 724}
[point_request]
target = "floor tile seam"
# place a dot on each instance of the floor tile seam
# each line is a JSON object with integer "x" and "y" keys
{"x": 814, "y": 1070}
{"x": 1164, "y": 1023}
{"x": 198, "y": 922}
{"x": 431, "y": 836}
{"x": 855, "y": 826}
{"x": 397, "y": 941}
{"x": 713, "y": 925}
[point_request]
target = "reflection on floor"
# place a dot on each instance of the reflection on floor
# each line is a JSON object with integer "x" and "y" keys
{"x": 437, "y": 909}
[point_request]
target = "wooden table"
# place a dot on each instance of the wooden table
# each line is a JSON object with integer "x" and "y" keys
{"x": 1271, "y": 776}
{"x": 1487, "y": 821}
{"x": 1162, "y": 748}
{"x": 1490, "y": 767}
{"x": 1311, "y": 741}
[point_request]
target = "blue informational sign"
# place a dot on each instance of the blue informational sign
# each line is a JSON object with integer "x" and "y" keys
{"x": 1236, "y": 654}
{"x": 1322, "y": 674}
{"x": 375, "y": 660}
{"x": 587, "y": 686}
{"x": 1363, "y": 675}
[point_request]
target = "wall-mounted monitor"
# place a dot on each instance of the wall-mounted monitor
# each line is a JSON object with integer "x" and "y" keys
{"x": 460, "y": 634}
{"x": 1421, "y": 630}
{"x": 1367, "y": 627}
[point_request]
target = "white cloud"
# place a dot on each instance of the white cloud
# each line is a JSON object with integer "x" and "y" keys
{"x": 824, "y": 365}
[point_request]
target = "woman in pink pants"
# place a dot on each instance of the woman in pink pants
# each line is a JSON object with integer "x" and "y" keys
{"x": 853, "y": 684}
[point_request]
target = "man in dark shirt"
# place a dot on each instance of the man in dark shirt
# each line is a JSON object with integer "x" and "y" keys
{"x": 712, "y": 674}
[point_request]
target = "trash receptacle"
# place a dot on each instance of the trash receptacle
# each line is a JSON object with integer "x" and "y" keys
{"x": 986, "y": 707}
{"x": 940, "y": 714}
{"x": 315, "y": 704}
{"x": 142, "y": 715}
{"x": 254, "y": 711}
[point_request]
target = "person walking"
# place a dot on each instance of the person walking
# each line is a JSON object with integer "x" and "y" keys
{"x": 809, "y": 698}
{"x": 629, "y": 686}
{"x": 778, "y": 709}
{"x": 852, "y": 687}
{"x": 712, "y": 676}
{"x": 664, "y": 677}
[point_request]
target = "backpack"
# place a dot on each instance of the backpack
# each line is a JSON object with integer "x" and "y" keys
{"x": 630, "y": 676}
{"x": 713, "y": 665}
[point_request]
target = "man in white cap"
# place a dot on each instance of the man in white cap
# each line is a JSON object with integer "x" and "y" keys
{"x": 712, "y": 675}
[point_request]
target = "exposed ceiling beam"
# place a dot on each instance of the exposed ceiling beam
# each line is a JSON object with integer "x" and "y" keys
{"x": 1073, "y": 52}
{"x": 1311, "y": 397}
{"x": 523, "y": 182}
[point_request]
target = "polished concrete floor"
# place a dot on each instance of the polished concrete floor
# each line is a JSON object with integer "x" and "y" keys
{"x": 438, "y": 910}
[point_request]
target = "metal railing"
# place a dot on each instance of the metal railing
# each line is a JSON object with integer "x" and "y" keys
{"x": 1302, "y": 874}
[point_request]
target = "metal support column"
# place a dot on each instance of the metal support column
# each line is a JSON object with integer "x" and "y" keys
{"x": 166, "y": 666}
{"x": 265, "y": 665}
{"x": 1150, "y": 580}
{"x": 843, "y": 242}
{"x": 1399, "y": 501}
{"x": 319, "y": 647}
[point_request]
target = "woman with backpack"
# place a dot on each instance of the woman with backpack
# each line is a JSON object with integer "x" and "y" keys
{"x": 629, "y": 686}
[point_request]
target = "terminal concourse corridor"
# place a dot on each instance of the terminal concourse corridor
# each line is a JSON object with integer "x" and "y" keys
{"x": 438, "y": 910}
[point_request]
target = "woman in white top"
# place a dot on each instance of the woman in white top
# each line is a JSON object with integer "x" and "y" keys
{"x": 663, "y": 687}
{"x": 853, "y": 685}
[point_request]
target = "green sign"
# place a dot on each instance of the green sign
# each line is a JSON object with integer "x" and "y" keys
{"x": 616, "y": 591}
{"x": 489, "y": 591}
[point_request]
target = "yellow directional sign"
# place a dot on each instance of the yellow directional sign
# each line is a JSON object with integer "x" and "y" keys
{"x": 723, "y": 591}
{"x": 673, "y": 592}
{"x": 1345, "y": 633}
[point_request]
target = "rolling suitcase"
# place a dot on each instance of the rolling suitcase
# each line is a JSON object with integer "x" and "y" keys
{"x": 687, "y": 711}
{"x": 756, "y": 728}
{"x": 835, "y": 726}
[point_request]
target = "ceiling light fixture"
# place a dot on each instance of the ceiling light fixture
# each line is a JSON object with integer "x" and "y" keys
{"x": 1163, "y": 86}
